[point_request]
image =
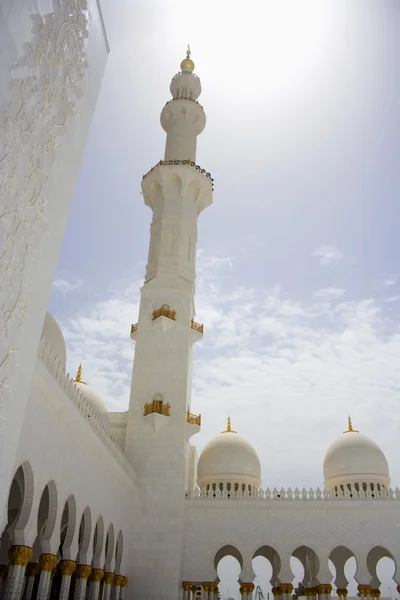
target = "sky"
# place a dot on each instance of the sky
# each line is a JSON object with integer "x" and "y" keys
{"x": 298, "y": 274}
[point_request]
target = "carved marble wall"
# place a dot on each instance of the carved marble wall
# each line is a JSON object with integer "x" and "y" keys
{"x": 52, "y": 59}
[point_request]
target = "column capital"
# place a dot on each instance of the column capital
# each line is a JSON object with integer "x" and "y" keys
{"x": 375, "y": 593}
{"x": 342, "y": 592}
{"x": 125, "y": 582}
{"x": 286, "y": 588}
{"x": 67, "y": 567}
{"x": 20, "y": 555}
{"x": 83, "y": 571}
{"x": 324, "y": 588}
{"x": 118, "y": 581}
{"x": 186, "y": 586}
{"x": 311, "y": 591}
{"x": 365, "y": 590}
{"x": 276, "y": 591}
{"x": 109, "y": 578}
{"x": 47, "y": 562}
{"x": 96, "y": 575}
{"x": 246, "y": 588}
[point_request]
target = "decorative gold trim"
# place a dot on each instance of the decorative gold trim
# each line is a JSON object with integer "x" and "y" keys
{"x": 47, "y": 562}
{"x": 19, "y": 555}
{"x": 324, "y": 588}
{"x": 125, "y": 582}
{"x": 78, "y": 378}
{"x": 164, "y": 311}
{"x": 228, "y": 427}
{"x": 350, "y": 427}
{"x": 67, "y": 567}
{"x": 96, "y": 575}
{"x": 157, "y": 406}
{"x": 119, "y": 580}
{"x": 375, "y": 593}
{"x": 83, "y": 571}
{"x": 193, "y": 419}
{"x": 196, "y": 326}
{"x": 108, "y": 578}
{"x": 365, "y": 590}
{"x": 187, "y": 162}
{"x": 276, "y": 591}
{"x": 311, "y": 591}
{"x": 342, "y": 592}
{"x": 134, "y": 328}
{"x": 286, "y": 588}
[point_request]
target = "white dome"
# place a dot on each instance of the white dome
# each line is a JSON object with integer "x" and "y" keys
{"x": 229, "y": 458}
{"x": 52, "y": 333}
{"x": 95, "y": 401}
{"x": 355, "y": 459}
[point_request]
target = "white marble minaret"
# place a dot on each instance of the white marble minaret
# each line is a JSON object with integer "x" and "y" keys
{"x": 159, "y": 421}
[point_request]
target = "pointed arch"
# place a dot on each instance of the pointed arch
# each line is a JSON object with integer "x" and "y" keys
{"x": 109, "y": 554}
{"x": 67, "y": 527}
{"x": 85, "y": 529}
{"x": 119, "y": 548}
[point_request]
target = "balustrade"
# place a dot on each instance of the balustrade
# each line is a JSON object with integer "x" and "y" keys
{"x": 164, "y": 311}
{"x": 157, "y": 406}
{"x": 197, "y": 327}
{"x": 193, "y": 419}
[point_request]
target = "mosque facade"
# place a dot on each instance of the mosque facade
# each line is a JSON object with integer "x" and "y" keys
{"x": 106, "y": 505}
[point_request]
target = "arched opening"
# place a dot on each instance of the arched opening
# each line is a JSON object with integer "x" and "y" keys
{"x": 310, "y": 563}
{"x": 109, "y": 553}
{"x": 67, "y": 528}
{"x": 228, "y": 563}
{"x": 85, "y": 529}
{"x": 344, "y": 567}
{"x": 119, "y": 548}
{"x": 98, "y": 543}
{"x": 20, "y": 498}
{"x": 173, "y": 186}
{"x": 266, "y": 565}
{"x": 46, "y": 520}
{"x": 382, "y": 567}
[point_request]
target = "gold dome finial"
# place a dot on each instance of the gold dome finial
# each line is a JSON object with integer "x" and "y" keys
{"x": 78, "y": 378}
{"x": 350, "y": 426}
{"x": 187, "y": 64}
{"x": 228, "y": 427}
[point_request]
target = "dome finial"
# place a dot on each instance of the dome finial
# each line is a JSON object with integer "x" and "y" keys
{"x": 350, "y": 426}
{"x": 78, "y": 378}
{"x": 187, "y": 65}
{"x": 228, "y": 427}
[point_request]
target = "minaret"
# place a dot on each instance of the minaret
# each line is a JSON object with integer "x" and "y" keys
{"x": 160, "y": 422}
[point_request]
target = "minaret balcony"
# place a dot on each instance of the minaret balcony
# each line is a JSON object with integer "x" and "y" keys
{"x": 164, "y": 318}
{"x": 133, "y": 331}
{"x": 197, "y": 331}
{"x": 193, "y": 424}
{"x": 157, "y": 406}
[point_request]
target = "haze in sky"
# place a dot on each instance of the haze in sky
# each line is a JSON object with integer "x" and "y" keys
{"x": 298, "y": 274}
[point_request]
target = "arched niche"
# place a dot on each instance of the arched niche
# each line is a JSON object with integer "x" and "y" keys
{"x": 67, "y": 527}
{"x": 19, "y": 505}
{"x": 46, "y": 520}
{"x": 193, "y": 190}
{"x": 266, "y": 565}
{"x": 98, "y": 539}
{"x": 310, "y": 562}
{"x": 109, "y": 553}
{"x": 85, "y": 528}
{"x": 382, "y": 567}
{"x": 119, "y": 549}
{"x": 345, "y": 566}
{"x": 228, "y": 564}
{"x": 173, "y": 185}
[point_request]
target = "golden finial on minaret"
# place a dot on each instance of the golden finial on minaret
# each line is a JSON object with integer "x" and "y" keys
{"x": 187, "y": 65}
{"x": 228, "y": 427}
{"x": 350, "y": 427}
{"x": 78, "y": 378}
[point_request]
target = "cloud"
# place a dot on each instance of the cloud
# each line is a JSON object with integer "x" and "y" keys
{"x": 66, "y": 287}
{"x": 330, "y": 293}
{"x": 288, "y": 371}
{"x": 391, "y": 280}
{"x": 328, "y": 256}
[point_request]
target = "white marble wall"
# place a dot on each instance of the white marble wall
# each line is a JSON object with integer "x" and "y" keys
{"x": 44, "y": 143}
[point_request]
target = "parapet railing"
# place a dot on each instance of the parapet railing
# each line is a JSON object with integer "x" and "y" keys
{"x": 52, "y": 363}
{"x": 157, "y": 406}
{"x": 193, "y": 419}
{"x": 181, "y": 162}
{"x": 197, "y": 326}
{"x": 289, "y": 494}
{"x": 164, "y": 311}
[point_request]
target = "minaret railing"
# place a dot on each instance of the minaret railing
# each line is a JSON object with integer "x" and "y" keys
{"x": 193, "y": 419}
{"x": 164, "y": 311}
{"x": 157, "y": 406}
{"x": 197, "y": 326}
{"x": 187, "y": 162}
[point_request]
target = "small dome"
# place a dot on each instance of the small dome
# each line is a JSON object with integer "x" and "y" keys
{"x": 95, "y": 401}
{"x": 355, "y": 459}
{"x": 52, "y": 333}
{"x": 229, "y": 458}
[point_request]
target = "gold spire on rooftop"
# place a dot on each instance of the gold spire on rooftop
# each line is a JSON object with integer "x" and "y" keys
{"x": 350, "y": 426}
{"x": 78, "y": 378}
{"x": 187, "y": 64}
{"x": 228, "y": 427}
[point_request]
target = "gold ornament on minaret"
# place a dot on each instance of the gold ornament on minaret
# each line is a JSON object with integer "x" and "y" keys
{"x": 228, "y": 427}
{"x": 350, "y": 427}
{"x": 187, "y": 64}
{"x": 78, "y": 378}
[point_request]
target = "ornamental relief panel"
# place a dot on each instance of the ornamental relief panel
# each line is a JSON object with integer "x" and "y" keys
{"x": 43, "y": 93}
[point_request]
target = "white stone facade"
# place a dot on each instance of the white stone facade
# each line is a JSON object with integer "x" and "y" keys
{"x": 92, "y": 499}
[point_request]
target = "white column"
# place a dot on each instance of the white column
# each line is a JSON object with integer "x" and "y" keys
{"x": 118, "y": 581}
{"x": 108, "y": 583}
{"x": 82, "y": 574}
{"x": 47, "y": 562}
{"x": 67, "y": 568}
{"x": 324, "y": 591}
{"x": 286, "y": 590}
{"x": 31, "y": 571}
{"x": 19, "y": 557}
{"x": 95, "y": 578}
{"x": 186, "y": 590}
